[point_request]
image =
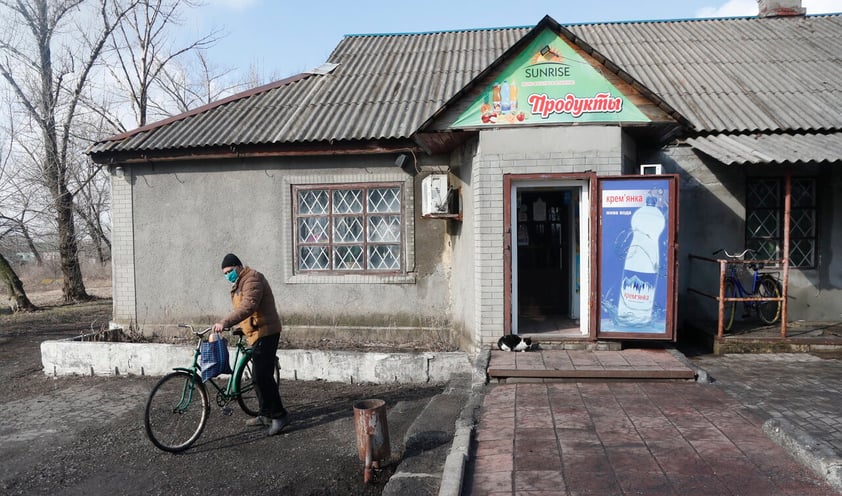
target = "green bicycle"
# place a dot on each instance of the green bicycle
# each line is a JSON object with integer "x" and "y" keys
{"x": 178, "y": 405}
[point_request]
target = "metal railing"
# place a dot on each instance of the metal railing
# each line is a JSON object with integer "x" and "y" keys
{"x": 722, "y": 299}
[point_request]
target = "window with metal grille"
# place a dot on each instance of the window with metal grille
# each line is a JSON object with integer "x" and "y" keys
{"x": 765, "y": 220}
{"x": 349, "y": 228}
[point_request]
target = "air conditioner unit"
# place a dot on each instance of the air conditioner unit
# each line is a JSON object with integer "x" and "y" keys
{"x": 650, "y": 169}
{"x": 434, "y": 190}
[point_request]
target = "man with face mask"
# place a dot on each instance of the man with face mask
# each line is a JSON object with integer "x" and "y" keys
{"x": 255, "y": 312}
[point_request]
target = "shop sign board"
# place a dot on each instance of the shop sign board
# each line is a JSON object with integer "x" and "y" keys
{"x": 549, "y": 82}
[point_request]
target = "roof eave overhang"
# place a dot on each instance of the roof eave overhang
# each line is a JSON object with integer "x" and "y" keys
{"x": 115, "y": 157}
{"x": 196, "y": 111}
{"x": 788, "y": 149}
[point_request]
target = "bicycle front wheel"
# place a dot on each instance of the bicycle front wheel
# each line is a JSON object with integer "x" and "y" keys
{"x": 248, "y": 394}
{"x": 769, "y": 311}
{"x": 730, "y": 306}
{"x": 176, "y": 411}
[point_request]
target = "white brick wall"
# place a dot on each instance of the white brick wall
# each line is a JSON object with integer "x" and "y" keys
{"x": 492, "y": 163}
{"x": 122, "y": 250}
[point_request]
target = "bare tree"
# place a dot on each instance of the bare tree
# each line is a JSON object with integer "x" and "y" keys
{"x": 93, "y": 197}
{"x": 18, "y": 214}
{"x": 144, "y": 48}
{"x": 195, "y": 83}
{"x": 18, "y": 300}
{"x": 49, "y": 86}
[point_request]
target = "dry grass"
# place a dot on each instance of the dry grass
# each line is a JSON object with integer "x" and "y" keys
{"x": 43, "y": 283}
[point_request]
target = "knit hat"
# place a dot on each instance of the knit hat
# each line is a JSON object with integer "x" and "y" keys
{"x": 231, "y": 260}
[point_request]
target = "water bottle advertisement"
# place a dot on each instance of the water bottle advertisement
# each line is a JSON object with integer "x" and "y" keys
{"x": 634, "y": 263}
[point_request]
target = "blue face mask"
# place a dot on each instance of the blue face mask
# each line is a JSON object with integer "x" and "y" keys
{"x": 232, "y": 276}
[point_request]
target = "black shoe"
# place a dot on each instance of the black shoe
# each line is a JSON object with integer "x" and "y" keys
{"x": 278, "y": 424}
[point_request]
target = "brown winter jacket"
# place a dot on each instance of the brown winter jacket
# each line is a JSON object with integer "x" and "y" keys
{"x": 254, "y": 306}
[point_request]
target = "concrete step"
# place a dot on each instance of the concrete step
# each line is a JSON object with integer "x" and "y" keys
{"x": 576, "y": 365}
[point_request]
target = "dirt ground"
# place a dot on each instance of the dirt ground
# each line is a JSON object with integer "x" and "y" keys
{"x": 84, "y": 435}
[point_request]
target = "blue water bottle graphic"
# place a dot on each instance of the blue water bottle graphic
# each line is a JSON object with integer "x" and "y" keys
{"x": 642, "y": 266}
{"x": 505, "y": 94}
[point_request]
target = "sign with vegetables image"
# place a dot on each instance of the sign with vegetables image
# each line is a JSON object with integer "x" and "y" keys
{"x": 549, "y": 82}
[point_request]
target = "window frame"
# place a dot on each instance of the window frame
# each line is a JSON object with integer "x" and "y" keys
{"x": 365, "y": 243}
{"x": 778, "y": 211}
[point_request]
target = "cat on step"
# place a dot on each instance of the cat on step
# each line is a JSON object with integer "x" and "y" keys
{"x": 512, "y": 342}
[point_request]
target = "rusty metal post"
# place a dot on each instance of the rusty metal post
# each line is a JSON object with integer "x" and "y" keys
{"x": 720, "y": 329}
{"x": 787, "y": 222}
{"x": 372, "y": 434}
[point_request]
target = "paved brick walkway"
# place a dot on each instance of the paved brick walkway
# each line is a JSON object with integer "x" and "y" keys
{"x": 618, "y": 438}
{"x": 800, "y": 388}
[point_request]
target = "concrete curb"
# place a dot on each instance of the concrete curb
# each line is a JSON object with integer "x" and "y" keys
{"x": 821, "y": 460}
{"x": 60, "y": 358}
{"x": 454, "y": 465}
{"x": 447, "y": 422}
{"x": 701, "y": 374}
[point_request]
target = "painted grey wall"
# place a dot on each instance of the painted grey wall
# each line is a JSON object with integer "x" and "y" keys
{"x": 186, "y": 216}
{"x": 463, "y": 280}
{"x": 174, "y": 222}
{"x": 712, "y": 216}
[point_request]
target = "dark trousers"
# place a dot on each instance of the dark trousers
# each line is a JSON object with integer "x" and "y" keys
{"x": 263, "y": 357}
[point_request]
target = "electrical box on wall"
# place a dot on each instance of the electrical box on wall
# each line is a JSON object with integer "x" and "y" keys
{"x": 647, "y": 169}
{"x": 434, "y": 195}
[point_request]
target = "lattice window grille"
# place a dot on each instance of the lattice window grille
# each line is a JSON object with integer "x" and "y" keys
{"x": 345, "y": 229}
{"x": 803, "y": 223}
{"x": 384, "y": 200}
{"x": 765, "y": 222}
{"x": 803, "y": 193}
{"x": 802, "y": 252}
{"x": 312, "y": 202}
{"x": 313, "y": 258}
{"x": 384, "y": 257}
{"x": 347, "y": 201}
{"x": 764, "y": 193}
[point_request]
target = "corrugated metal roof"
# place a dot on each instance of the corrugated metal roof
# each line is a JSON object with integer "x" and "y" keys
{"x": 723, "y": 75}
{"x": 740, "y": 149}
{"x": 384, "y": 87}
{"x": 736, "y": 75}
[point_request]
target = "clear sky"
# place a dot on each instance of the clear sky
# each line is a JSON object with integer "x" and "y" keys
{"x": 285, "y": 37}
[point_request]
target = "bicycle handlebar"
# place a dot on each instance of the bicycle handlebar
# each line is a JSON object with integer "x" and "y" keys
{"x": 736, "y": 256}
{"x": 199, "y": 333}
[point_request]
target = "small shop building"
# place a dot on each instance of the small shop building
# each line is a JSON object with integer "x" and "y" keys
{"x": 443, "y": 189}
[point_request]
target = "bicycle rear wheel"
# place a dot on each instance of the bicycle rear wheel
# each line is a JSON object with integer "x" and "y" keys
{"x": 175, "y": 413}
{"x": 248, "y": 395}
{"x": 730, "y": 306}
{"x": 769, "y": 311}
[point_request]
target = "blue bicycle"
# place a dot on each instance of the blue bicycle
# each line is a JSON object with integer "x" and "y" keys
{"x": 763, "y": 285}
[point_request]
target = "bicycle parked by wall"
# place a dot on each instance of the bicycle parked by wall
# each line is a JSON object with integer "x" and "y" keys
{"x": 178, "y": 406}
{"x": 763, "y": 285}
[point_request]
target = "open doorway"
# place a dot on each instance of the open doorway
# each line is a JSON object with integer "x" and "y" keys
{"x": 549, "y": 223}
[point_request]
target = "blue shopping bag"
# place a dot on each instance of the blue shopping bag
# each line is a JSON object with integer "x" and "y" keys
{"x": 214, "y": 359}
